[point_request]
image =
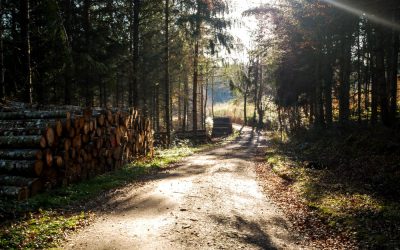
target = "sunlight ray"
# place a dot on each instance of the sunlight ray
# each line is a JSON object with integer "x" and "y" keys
{"x": 366, "y": 14}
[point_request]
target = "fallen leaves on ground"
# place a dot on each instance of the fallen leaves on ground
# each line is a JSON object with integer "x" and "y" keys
{"x": 305, "y": 221}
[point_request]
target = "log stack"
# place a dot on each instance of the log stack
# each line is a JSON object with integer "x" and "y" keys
{"x": 222, "y": 126}
{"x": 42, "y": 149}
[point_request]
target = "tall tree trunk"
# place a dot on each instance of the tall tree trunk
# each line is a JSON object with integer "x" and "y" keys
{"x": 135, "y": 59}
{"x": 205, "y": 104}
{"x": 328, "y": 94}
{"x": 195, "y": 67}
{"x": 260, "y": 110}
{"x": 367, "y": 70}
{"x": 117, "y": 93}
{"x": 2, "y": 69}
{"x": 201, "y": 101}
{"x": 105, "y": 94}
{"x": 179, "y": 102}
{"x": 318, "y": 92}
{"x": 185, "y": 101}
{"x": 312, "y": 111}
{"x": 280, "y": 121}
{"x": 101, "y": 98}
{"x": 69, "y": 61}
{"x": 255, "y": 92}
{"x": 87, "y": 31}
{"x": 157, "y": 104}
{"x": 380, "y": 77}
{"x": 195, "y": 86}
{"x": 359, "y": 76}
{"x": 374, "y": 92}
{"x": 212, "y": 94}
{"x": 130, "y": 72}
{"x": 26, "y": 51}
{"x": 393, "y": 64}
{"x": 15, "y": 53}
{"x": 246, "y": 90}
{"x": 371, "y": 41}
{"x": 167, "y": 84}
{"x": 344, "y": 88}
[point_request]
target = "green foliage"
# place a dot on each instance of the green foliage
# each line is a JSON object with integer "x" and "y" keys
{"x": 201, "y": 18}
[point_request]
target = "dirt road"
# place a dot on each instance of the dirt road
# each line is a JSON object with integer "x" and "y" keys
{"x": 211, "y": 201}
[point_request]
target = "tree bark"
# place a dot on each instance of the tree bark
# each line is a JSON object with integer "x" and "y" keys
{"x": 26, "y": 51}
{"x": 24, "y": 168}
{"x": 69, "y": 61}
{"x": 374, "y": 91}
{"x": 195, "y": 67}
{"x": 212, "y": 95}
{"x": 2, "y": 69}
{"x": 130, "y": 81}
{"x": 201, "y": 101}
{"x": 318, "y": 92}
{"x": 359, "y": 76}
{"x": 381, "y": 79}
{"x": 87, "y": 33}
{"x": 157, "y": 103}
{"x": 179, "y": 103}
{"x": 255, "y": 92}
{"x": 167, "y": 83}
{"x": 372, "y": 69}
{"x": 135, "y": 59}
{"x": 17, "y": 125}
{"x": 33, "y": 115}
{"x": 367, "y": 80}
{"x": 15, "y": 53}
{"x": 195, "y": 86}
{"x": 328, "y": 94}
{"x": 29, "y": 141}
{"x": 33, "y": 184}
{"x": 205, "y": 104}
{"x": 185, "y": 102}
{"x": 260, "y": 110}
{"x": 393, "y": 72}
{"x": 344, "y": 88}
{"x": 246, "y": 90}
{"x": 21, "y": 154}
{"x": 17, "y": 193}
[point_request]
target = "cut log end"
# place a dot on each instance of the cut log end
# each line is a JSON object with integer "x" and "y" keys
{"x": 18, "y": 193}
{"x": 50, "y": 137}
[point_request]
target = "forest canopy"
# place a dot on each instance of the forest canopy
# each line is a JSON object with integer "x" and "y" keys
{"x": 318, "y": 61}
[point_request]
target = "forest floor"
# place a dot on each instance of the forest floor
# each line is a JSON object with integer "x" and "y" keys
{"x": 338, "y": 186}
{"x": 210, "y": 200}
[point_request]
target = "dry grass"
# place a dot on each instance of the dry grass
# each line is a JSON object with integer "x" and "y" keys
{"x": 234, "y": 110}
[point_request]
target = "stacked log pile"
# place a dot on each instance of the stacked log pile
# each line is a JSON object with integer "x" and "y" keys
{"x": 42, "y": 149}
{"x": 222, "y": 126}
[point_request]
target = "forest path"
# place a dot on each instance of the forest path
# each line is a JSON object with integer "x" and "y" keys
{"x": 212, "y": 200}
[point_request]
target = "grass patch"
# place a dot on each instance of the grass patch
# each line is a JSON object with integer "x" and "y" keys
{"x": 349, "y": 178}
{"x": 41, "y": 221}
{"x": 43, "y": 229}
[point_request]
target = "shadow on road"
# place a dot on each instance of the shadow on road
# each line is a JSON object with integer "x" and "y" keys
{"x": 249, "y": 232}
